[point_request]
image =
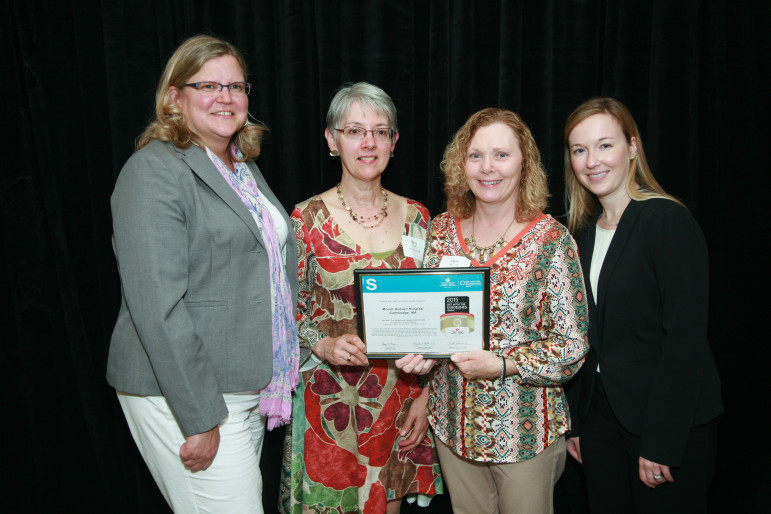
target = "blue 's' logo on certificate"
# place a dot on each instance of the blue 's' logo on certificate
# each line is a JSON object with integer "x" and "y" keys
{"x": 423, "y": 283}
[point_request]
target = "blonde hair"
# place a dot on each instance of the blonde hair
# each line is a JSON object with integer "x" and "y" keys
{"x": 533, "y": 189}
{"x": 169, "y": 123}
{"x": 580, "y": 203}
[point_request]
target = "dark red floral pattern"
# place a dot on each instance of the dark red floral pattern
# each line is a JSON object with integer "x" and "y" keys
{"x": 338, "y": 403}
{"x": 342, "y": 454}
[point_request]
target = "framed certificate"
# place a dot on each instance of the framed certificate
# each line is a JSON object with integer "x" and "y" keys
{"x": 434, "y": 312}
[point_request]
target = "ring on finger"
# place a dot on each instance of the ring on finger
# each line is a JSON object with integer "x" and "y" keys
{"x": 349, "y": 357}
{"x": 658, "y": 477}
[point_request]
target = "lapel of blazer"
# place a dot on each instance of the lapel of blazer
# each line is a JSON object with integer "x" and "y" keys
{"x": 585, "y": 242}
{"x": 624, "y": 230}
{"x": 586, "y": 250}
{"x": 202, "y": 166}
{"x": 265, "y": 191}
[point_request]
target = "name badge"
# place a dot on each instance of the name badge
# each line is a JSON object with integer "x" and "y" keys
{"x": 413, "y": 247}
{"x": 454, "y": 261}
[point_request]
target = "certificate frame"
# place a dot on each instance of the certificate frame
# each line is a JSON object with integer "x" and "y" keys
{"x": 434, "y": 312}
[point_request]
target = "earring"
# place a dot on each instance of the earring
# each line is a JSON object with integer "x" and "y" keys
{"x": 334, "y": 153}
{"x": 392, "y": 154}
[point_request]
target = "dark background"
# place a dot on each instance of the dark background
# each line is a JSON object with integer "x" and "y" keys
{"x": 81, "y": 77}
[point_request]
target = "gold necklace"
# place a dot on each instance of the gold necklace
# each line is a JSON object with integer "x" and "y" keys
{"x": 603, "y": 220}
{"x": 483, "y": 253}
{"x": 377, "y": 219}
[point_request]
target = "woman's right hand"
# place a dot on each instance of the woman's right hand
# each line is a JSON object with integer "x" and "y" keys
{"x": 198, "y": 451}
{"x": 574, "y": 448}
{"x": 346, "y": 350}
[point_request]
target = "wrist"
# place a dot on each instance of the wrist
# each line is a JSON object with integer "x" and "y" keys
{"x": 508, "y": 368}
{"x": 511, "y": 367}
{"x": 312, "y": 338}
{"x": 318, "y": 349}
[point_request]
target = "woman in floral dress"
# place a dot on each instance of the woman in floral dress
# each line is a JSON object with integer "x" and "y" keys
{"x": 358, "y": 438}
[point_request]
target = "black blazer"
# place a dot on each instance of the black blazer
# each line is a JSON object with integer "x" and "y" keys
{"x": 648, "y": 329}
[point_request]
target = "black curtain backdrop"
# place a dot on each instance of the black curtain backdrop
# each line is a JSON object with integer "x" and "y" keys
{"x": 81, "y": 77}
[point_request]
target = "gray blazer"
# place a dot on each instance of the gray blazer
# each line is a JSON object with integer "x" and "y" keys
{"x": 195, "y": 316}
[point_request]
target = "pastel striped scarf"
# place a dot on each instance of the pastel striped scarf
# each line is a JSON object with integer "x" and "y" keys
{"x": 276, "y": 398}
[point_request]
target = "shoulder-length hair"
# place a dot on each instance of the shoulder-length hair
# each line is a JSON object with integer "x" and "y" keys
{"x": 533, "y": 190}
{"x": 580, "y": 203}
{"x": 169, "y": 123}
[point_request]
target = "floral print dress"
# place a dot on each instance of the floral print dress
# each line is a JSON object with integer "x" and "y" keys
{"x": 341, "y": 452}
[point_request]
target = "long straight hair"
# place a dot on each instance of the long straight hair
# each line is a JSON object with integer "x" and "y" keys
{"x": 580, "y": 203}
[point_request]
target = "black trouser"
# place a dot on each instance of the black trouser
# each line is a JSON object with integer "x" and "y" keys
{"x": 610, "y": 457}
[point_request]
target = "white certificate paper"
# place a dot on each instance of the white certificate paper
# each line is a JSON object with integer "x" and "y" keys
{"x": 431, "y": 311}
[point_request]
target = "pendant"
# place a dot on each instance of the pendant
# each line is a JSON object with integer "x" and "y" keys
{"x": 483, "y": 254}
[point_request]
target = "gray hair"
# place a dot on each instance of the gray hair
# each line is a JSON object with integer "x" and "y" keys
{"x": 369, "y": 97}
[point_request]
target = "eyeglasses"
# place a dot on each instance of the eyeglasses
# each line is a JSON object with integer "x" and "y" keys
{"x": 214, "y": 88}
{"x": 381, "y": 134}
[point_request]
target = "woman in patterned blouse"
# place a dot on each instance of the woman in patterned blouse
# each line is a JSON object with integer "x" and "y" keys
{"x": 500, "y": 414}
{"x": 358, "y": 441}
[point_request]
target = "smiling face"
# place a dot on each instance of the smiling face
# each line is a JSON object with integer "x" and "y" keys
{"x": 494, "y": 165}
{"x": 600, "y": 156}
{"x": 362, "y": 159}
{"x": 213, "y": 118}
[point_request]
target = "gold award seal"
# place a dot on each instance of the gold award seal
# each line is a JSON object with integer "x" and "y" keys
{"x": 456, "y": 323}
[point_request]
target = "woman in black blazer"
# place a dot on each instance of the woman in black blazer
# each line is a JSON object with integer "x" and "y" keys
{"x": 646, "y": 401}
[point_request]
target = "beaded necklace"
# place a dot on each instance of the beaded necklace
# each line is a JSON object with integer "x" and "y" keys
{"x": 377, "y": 219}
{"x": 483, "y": 253}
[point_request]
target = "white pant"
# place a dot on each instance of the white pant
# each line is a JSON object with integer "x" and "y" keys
{"x": 233, "y": 482}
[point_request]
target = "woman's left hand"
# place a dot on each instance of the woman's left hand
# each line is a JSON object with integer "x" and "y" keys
{"x": 416, "y": 425}
{"x": 345, "y": 350}
{"x": 478, "y": 364}
{"x": 653, "y": 473}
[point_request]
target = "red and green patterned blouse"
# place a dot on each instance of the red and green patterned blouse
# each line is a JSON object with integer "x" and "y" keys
{"x": 342, "y": 454}
{"x": 539, "y": 320}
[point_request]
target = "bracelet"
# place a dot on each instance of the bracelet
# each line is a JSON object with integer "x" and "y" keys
{"x": 503, "y": 369}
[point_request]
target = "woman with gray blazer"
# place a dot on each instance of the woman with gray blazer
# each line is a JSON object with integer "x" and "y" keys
{"x": 204, "y": 350}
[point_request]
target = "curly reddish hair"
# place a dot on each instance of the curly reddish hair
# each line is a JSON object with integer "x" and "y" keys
{"x": 533, "y": 189}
